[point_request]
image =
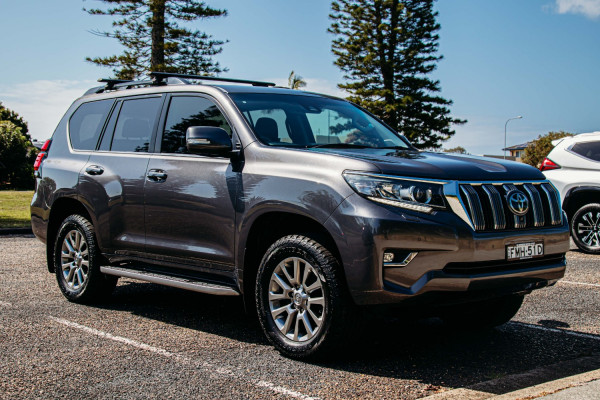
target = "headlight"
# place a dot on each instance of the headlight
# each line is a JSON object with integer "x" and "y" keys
{"x": 413, "y": 195}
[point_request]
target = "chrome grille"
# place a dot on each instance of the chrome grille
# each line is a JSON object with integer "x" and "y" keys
{"x": 487, "y": 207}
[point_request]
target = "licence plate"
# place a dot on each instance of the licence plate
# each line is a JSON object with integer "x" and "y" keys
{"x": 523, "y": 251}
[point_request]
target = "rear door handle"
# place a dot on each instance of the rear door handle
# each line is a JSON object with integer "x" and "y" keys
{"x": 157, "y": 175}
{"x": 94, "y": 170}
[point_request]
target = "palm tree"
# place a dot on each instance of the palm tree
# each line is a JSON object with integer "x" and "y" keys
{"x": 295, "y": 81}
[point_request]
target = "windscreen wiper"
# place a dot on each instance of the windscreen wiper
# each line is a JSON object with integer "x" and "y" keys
{"x": 338, "y": 146}
{"x": 399, "y": 148}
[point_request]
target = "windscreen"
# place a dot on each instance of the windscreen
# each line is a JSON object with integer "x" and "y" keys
{"x": 311, "y": 121}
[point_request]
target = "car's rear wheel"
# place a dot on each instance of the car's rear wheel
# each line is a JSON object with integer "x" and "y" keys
{"x": 301, "y": 303}
{"x": 77, "y": 262}
{"x": 585, "y": 228}
{"x": 483, "y": 315}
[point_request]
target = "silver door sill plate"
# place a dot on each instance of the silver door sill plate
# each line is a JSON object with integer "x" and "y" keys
{"x": 181, "y": 283}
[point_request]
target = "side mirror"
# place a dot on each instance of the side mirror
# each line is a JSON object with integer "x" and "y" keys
{"x": 207, "y": 139}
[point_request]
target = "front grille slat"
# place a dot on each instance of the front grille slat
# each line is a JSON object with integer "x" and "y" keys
{"x": 487, "y": 208}
{"x": 554, "y": 203}
{"x": 496, "y": 203}
{"x": 536, "y": 204}
{"x": 474, "y": 207}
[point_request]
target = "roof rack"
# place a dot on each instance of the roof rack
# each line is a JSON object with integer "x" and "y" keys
{"x": 115, "y": 84}
{"x": 110, "y": 83}
{"x": 159, "y": 77}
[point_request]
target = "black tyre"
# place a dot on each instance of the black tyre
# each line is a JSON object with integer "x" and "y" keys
{"x": 302, "y": 306}
{"x": 483, "y": 315}
{"x": 585, "y": 228}
{"x": 77, "y": 262}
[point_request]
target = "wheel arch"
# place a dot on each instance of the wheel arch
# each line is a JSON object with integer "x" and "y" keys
{"x": 61, "y": 209}
{"x": 263, "y": 231}
{"x": 578, "y": 197}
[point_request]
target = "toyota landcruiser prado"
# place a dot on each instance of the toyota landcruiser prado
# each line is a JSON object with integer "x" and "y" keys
{"x": 305, "y": 205}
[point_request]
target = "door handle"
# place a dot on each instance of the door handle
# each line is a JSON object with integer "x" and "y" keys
{"x": 94, "y": 170}
{"x": 157, "y": 175}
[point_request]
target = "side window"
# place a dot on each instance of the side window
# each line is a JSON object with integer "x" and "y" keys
{"x": 85, "y": 125}
{"x": 133, "y": 130}
{"x": 589, "y": 150}
{"x": 270, "y": 125}
{"x": 186, "y": 111}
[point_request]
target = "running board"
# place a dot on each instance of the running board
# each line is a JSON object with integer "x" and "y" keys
{"x": 181, "y": 283}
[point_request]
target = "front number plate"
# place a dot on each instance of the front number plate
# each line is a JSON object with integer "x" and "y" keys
{"x": 523, "y": 251}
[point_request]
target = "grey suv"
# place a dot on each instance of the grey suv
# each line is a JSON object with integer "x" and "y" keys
{"x": 305, "y": 205}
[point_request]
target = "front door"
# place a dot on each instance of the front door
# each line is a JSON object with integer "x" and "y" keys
{"x": 190, "y": 199}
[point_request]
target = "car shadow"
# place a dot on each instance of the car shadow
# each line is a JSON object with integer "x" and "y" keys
{"x": 392, "y": 347}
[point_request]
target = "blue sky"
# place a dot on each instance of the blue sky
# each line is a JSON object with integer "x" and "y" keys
{"x": 536, "y": 58}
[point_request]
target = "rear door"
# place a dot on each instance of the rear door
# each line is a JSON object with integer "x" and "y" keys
{"x": 190, "y": 198}
{"x": 113, "y": 179}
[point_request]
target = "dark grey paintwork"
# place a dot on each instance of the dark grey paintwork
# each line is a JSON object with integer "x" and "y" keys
{"x": 197, "y": 215}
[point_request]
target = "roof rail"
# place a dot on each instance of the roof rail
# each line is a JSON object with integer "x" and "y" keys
{"x": 159, "y": 77}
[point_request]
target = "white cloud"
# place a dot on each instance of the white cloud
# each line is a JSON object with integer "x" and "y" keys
{"x": 589, "y": 8}
{"x": 42, "y": 103}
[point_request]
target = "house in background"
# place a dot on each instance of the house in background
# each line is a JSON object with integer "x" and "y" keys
{"x": 517, "y": 151}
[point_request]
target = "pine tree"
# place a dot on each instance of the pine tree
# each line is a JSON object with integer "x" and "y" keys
{"x": 387, "y": 49}
{"x": 155, "y": 41}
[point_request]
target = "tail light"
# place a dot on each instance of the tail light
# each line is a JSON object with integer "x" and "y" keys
{"x": 40, "y": 157}
{"x": 548, "y": 165}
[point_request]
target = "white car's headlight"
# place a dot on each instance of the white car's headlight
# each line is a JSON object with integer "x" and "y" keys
{"x": 412, "y": 195}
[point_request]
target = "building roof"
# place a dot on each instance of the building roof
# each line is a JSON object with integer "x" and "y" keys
{"x": 521, "y": 146}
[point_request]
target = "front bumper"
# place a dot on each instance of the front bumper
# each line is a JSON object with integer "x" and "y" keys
{"x": 452, "y": 258}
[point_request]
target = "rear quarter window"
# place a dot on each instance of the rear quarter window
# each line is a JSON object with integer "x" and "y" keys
{"x": 589, "y": 150}
{"x": 86, "y": 123}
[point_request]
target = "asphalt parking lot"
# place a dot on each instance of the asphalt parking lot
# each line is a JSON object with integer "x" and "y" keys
{"x": 150, "y": 341}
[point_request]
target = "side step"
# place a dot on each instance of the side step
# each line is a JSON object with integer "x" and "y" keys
{"x": 181, "y": 283}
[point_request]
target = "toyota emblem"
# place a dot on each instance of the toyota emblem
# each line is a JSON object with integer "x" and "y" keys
{"x": 517, "y": 202}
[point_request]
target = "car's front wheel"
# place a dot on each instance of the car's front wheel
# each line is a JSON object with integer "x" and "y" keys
{"x": 301, "y": 304}
{"x": 77, "y": 262}
{"x": 585, "y": 228}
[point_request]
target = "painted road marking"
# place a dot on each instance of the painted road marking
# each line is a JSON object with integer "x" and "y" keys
{"x": 556, "y": 330}
{"x": 208, "y": 367}
{"x": 580, "y": 283}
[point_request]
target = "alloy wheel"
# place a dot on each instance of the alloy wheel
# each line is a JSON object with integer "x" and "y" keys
{"x": 297, "y": 299}
{"x": 74, "y": 260}
{"x": 588, "y": 228}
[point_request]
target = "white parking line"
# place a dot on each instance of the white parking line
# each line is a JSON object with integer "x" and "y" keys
{"x": 579, "y": 283}
{"x": 556, "y": 330}
{"x": 211, "y": 368}
{"x": 5, "y": 304}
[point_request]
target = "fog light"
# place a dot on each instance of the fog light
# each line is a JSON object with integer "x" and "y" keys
{"x": 398, "y": 258}
{"x": 388, "y": 257}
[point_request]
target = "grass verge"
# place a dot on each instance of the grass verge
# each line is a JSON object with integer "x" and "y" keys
{"x": 14, "y": 208}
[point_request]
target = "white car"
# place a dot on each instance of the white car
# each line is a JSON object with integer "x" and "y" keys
{"x": 573, "y": 166}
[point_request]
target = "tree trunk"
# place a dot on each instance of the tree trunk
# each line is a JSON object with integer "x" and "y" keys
{"x": 386, "y": 64}
{"x": 157, "y": 58}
